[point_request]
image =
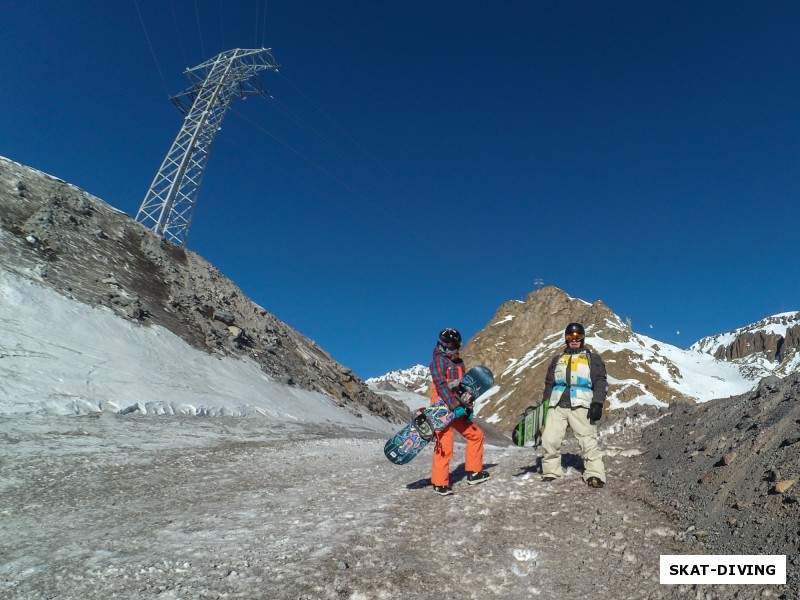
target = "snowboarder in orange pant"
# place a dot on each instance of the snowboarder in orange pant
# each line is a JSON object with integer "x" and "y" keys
{"x": 447, "y": 369}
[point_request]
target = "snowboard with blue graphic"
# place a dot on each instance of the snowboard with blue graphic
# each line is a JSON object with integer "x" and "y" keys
{"x": 403, "y": 446}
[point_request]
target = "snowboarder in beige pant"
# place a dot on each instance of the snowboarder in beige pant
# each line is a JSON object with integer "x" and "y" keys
{"x": 576, "y": 383}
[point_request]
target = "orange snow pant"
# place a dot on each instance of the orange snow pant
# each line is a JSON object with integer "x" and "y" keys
{"x": 443, "y": 452}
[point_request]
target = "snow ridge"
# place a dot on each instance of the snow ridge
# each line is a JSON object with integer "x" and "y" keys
{"x": 775, "y": 324}
{"x": 416, "y": 379}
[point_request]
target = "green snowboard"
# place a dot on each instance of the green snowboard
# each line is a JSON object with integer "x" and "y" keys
{"x": 529, "y": 427}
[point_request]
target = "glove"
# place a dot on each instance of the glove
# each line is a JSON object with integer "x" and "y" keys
{"x": 466, "y": 400}
{"x": 595, "y": 412}
{"x": 453, "y": 383}
{"x": 460, "y": 411}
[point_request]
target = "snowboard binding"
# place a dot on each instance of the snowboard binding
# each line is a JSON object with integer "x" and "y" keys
{"x": 423, "y": 426}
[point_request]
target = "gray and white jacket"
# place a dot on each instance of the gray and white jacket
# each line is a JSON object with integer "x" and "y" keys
{"x": 576, "y": 378}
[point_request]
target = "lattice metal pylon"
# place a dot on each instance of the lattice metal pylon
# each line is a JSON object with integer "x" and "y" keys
{"x": 170, "y": 202}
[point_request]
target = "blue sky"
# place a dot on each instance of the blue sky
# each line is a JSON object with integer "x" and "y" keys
{"x": 420, "y": 163}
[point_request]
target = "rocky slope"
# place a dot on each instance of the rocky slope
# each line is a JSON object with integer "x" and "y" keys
{"x": 75, "y": 243}
{"x": 731, "y": 467}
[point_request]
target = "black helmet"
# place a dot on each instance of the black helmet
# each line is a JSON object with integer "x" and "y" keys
{"x": 574, "y": 331}
{"x": 450, "y": 339}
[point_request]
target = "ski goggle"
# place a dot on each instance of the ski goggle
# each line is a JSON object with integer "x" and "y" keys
{"x": 451, "y": 346}
{"x": 574, "y": 336}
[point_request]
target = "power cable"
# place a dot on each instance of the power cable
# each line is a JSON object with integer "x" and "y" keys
{"x": 222, "y": 24}
{"x": 178, "y": 32}
{"x": 264, "y": 28}
{"x": 152, "y": 50}
{"x": 352, "y": 139}
{"x": 302, "y": 182}
{"x": 199, "y": 30}
{"x": 256, "y": 21}
{"x": 329, "y": 145}
{"x": 326, "y": 172}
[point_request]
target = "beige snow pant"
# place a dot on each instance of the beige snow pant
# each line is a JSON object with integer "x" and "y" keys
{"x": 555, "y": 428}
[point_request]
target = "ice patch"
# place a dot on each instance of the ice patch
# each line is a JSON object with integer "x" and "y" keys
{"x": 624, "y": 453}
{"x": 660, "y": 531}
{"x": 527, "y": 561}
{"x": 524, "y": 555}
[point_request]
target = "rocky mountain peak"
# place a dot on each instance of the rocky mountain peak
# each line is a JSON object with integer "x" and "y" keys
{"x": 519, "y": 327}
{"x": 414, "y": 379}
{"x": 521, "y": 339}
{"x": 772, "y": 342}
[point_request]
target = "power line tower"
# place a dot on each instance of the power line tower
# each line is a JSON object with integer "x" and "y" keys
{"x": 169, "y": 204}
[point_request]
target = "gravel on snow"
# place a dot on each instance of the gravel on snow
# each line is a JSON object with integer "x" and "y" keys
{"x": 104, "y": 506}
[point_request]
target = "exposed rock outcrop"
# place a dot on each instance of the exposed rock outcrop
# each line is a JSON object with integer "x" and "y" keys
{"x": 758, "y": 342}
{"x": 772, "y": 342}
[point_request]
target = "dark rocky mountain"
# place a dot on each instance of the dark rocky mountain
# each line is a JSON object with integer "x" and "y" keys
{"x": 76, "y": 244}
{"x": 772, "y": 343}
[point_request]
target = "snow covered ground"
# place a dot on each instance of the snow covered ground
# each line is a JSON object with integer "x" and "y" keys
{"x": 61, "y": 357}
{"x": 180, "y": 507}
{"x": 698, "y": 375}
{"x": 220, "y": 483}
{"x": 173, "y": 506}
